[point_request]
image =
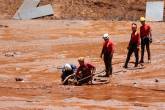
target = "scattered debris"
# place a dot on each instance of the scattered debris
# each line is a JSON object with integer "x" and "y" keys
{"x": 134, "y": 83}
{"x": 3, "y": 26}
{"x": 18, "y": 79}
{"x": 10, "y": 54}
{"x": 156, "y": 80}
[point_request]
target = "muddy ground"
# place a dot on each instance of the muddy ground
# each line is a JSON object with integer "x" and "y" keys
{"x": 33, "y": 50}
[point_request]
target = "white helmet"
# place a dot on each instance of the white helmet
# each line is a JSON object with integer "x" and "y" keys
{"x": 67, "y": 67}
{"x": 106, "y": 36}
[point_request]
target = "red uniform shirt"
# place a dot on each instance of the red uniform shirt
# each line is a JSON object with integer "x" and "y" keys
{"x": 108, "y": 47}
{"x": 85, "y": 69}
{"x": 145, "y": 30}
{"x": 135, "y": 38}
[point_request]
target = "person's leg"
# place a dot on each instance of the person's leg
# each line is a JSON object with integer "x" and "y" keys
{"x": 128, "y": 57}
{"x": 110, "y": 64}
{"x": 148, "y": 49}
{"x": 142, "y": 50}
{"x": 136, "y": 53}
{"x": 106, "y": 62}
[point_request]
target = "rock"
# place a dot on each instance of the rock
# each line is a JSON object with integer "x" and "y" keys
{"x": 3, "y": 26}
{"x": 134, "y": 83}
{"x": 156, "y": 80}
{"x": 18, "y": 79}
{"x": 10, "y": 54}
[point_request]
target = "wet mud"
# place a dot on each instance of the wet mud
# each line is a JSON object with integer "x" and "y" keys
{"x": 31, "y": 52}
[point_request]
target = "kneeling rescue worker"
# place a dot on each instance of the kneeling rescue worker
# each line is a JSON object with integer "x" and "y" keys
{"x": 84, "y": 72}
{"x": 67, "y": 70}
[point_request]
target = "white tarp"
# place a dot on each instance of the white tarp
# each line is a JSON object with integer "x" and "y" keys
{"x": 29, "y": 10}
{"x": 154, "y": 10}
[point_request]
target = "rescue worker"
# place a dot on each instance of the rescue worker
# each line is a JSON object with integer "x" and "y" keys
{"x": 133, "y": 46}
{"x": 146, "y": 39}
{"x": 67, "y": 70}
{"x": 85, "y": 71}
{"x": 107, "y": 52}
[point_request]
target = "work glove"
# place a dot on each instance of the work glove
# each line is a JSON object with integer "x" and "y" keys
{"x": 150, "y": 40}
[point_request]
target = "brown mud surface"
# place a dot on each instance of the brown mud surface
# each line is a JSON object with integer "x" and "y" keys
{"x": 83, "y": 9}
{"x": 32, "y": 50}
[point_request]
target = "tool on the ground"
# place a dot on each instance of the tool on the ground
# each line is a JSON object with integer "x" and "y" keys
{"x": 69, "y": 77}
{"x": 90, "y": 76}
{"x": 75, "y": 81}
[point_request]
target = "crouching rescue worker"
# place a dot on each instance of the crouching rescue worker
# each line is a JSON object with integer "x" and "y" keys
{"x": 84, "y": 72}
{"x": 133, "y": 46}
{"x": 146, "y": 39}
{"x": 67, "y": 70}
{"x": 107, "y": 52}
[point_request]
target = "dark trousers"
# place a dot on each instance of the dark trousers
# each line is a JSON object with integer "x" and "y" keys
{"x": 108, "y": 63}
{"x": 132, "y": 49}
{"x": 145, "y": 43}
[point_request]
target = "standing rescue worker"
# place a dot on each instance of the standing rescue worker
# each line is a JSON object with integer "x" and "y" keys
{"x": 67, "y": 70}
{"x": 146, "y": 39}
{"x": 107, "y": 52}
{"x": 133, "y": 46}
{"x": 85, "y": 71}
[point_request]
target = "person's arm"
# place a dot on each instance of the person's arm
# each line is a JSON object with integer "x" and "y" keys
{"x": 101, "y": 55}
{"x": 138, "y": 40}
{"x": 140, "y": 33}
{"x": 150, "y": 35}
{"x": 78, "y": 74}
{"x": 129, "y": 43}
{"x": 92, "y": 68}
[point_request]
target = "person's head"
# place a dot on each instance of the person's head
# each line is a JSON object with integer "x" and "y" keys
{"x": 106, "y": 37}
{"x": 81, "y": 60}
{"x": 134, "y": 27}
{"x": 67, "y": 67}
{"x": 142, "y": 20}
